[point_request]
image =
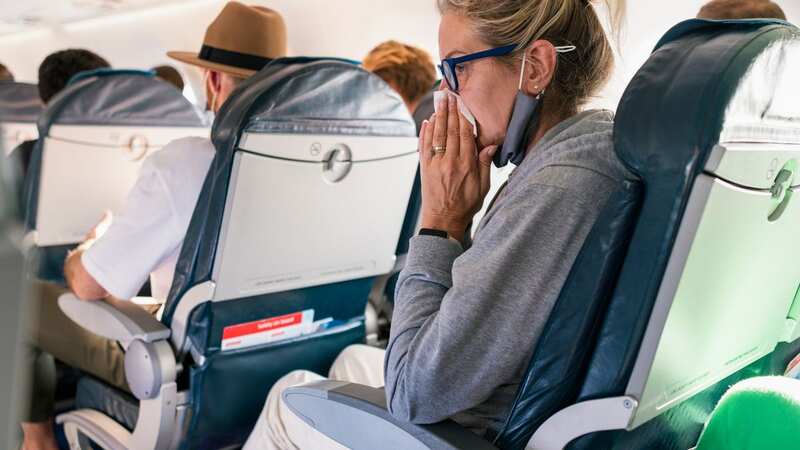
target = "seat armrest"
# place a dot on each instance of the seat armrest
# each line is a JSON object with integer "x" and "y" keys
{"x": 95, "y": 425}
{"x": 118, "y": 320}
{"x": 356, "y": 416}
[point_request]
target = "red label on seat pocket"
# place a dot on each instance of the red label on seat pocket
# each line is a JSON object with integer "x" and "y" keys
{"x": 267, "y": 330}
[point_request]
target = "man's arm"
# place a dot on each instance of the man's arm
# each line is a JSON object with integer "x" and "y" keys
{"x": 79, "y": 280}
{"x": 117, "y": 258}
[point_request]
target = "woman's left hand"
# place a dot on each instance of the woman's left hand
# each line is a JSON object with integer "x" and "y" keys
{"x": 455, "y": 176}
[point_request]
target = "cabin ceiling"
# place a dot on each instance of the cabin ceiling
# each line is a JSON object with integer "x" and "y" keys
{"x": 26, "y": 15}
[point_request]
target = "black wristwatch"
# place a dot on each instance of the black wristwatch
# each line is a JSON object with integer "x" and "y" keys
{"x": 433, "y": 232}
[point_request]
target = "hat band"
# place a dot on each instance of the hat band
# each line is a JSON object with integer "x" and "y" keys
{"x": 235, "y": 59}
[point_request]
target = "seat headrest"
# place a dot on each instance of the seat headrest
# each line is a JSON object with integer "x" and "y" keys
{"x": 312, "y": 96}
{"x": 120, "y": 97}
{"x": 693, "y": 82}
{"x": 102, "y": 72}
{"x": 19, "y": 102}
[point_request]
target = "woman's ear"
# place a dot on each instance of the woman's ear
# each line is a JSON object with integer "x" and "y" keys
{"x": 540, "y": 67}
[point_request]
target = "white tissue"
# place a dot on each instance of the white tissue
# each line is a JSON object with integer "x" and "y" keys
{"x": 439, "y": 96}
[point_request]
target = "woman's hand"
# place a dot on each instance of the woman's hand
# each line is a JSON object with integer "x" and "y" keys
{"x": 455, "y": 176}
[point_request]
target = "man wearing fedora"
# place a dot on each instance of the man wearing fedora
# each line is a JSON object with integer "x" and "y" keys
{"x": 144, "y": 239}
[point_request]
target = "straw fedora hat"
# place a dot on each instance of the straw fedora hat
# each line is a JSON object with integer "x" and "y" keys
{"x": 240, "y": 41}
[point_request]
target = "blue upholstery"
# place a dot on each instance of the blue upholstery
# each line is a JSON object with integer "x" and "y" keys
{"x": 227, "y": 389}
{"x": 19, "y": 102}
{"x": 104, "y": 72}
{"x": 687, "y": 83}
{"x": 107, "y": 97}
{"x": 557, "y": 365}
{"x": 92, "y": 393}
{"x": 592, "y": 337}
{"x": 335, "y": 109}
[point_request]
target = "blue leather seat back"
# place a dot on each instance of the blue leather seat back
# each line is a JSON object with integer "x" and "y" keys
{"x": 669, "y": 120}
{"x": 102, "y": 99}
{"x": 19, "y": 103}
{"x": 338, "y": 108}
{"x": 294, "y": 96}
{"x": 20, "y": 107}
{"x": 559, "y": 361}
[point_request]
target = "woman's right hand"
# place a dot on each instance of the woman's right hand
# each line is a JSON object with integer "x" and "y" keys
{"x": 455, "y": 176}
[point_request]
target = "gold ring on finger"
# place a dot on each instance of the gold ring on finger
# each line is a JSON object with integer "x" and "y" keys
{"x": 439, "y": 149}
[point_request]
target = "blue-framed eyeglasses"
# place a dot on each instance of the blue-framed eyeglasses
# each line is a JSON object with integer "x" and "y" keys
{"x": 449, "y": 66}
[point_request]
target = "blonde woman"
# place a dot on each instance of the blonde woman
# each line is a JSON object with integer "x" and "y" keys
{"x": 467, "y": 317}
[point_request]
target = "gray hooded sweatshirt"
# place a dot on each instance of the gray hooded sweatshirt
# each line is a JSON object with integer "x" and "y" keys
{"x": 465, "y": 323}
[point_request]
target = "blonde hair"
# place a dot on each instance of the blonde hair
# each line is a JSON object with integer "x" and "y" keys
{"x": 408, "y": 69}
{"x": 580, "y": 73}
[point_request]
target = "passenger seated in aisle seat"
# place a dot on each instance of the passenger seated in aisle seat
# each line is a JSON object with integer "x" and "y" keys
{"x": 407, "y": 69}
{"x": 5, "y": 74}
{"x": 170, "y": 75}
{"x": 741, "y": 9}
{"x": 54, "y": 73}
{"x": 463, "y": 316}
{"x": 145, "y": 238}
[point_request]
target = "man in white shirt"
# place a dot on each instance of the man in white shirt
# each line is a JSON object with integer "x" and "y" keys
{"x": 150, "y": 229}
{"x": 144, "y": 239}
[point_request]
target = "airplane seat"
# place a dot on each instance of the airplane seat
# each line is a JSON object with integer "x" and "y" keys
{"x": 95, "y": 134}
{"x": 721, "y": 305}
{"x": 20, "y": 107}
{"x": 696, "y": 285}
{"x": 301, "y": 210}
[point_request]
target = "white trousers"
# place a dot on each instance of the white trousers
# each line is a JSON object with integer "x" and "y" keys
{"x": 280, "y": 429}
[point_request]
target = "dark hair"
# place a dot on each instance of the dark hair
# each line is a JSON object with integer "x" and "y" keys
{"x": 741, "y": 9}
{"x": 58, "y": 68}
{"x": 5, "y": 74}
{"x": 170, "y": 75}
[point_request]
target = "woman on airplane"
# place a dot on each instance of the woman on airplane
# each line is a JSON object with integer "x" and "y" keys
{"x": 467, "y": 317}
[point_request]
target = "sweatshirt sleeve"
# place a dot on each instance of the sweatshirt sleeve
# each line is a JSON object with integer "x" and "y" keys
{"x": 464, "y": 324}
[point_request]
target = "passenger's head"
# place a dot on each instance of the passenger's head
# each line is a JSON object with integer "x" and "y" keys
{"x": 408, "y": 70}
{"x": 741, "y": 9}
{"x": 170, "y": 75}
{"x": 5, "y": 74}
{"x": 238, "y": 43}
{"x": 489, "y": 85}
{"x": 58, "y": 68}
